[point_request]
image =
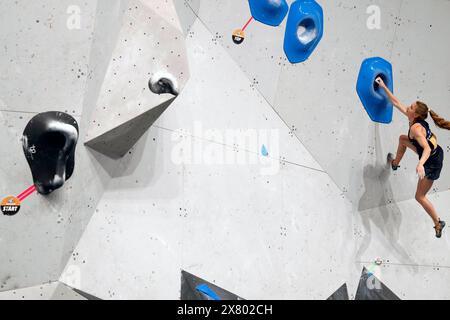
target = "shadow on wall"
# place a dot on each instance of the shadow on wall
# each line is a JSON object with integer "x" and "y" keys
{"x": 109, "y": 168}
{"x": 384, "y": 213}
{"x": 126, "y": 166}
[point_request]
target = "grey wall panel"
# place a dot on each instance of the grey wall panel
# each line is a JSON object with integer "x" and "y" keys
{"x": 402, "y": 233}
{"x": 124, "y": 229}
{"x": 47, "y": 291}
{"x": 260, "y": 56}
{"x": 253, "y": 234}
{"x": 218, "y": 99}
{"x": 340, "y": 294}
{"x": 63, "y": 292}
{"x": 413, "y": 282}
{"x": 319, "y": 98}
{"x": 190, "y": 289}
{"x": 37, "y": 242}
{"x": 372, "y": 288}
{"x": 419, "y": 57}
{"x": 108, "y": 22}
{"x": 185, "y": 14}
{"x": 143, "y": 44}
{"x": 42, "y": 292}
{"x": 44, "y": 59}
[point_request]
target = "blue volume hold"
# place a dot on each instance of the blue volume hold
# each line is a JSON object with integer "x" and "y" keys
{"x": 304, "y": 30}
{"x": 203, "y": 288}
{"x": 270, "y": 12}
{"x": 374, "y": 98}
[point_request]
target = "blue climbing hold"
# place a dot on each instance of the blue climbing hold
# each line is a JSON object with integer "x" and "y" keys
{"x": 270, "y": 12}
{"x": 203, "y": 288}
{"x": 304, "y": 30}
{"x": 374, "y": 98}
{"x": 264, "y": 151}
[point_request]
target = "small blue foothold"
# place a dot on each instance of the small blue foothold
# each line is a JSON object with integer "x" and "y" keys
{"x": 270, "y": 12}
{"x": 304, "y": 30}
{"x": 374, "y": 98}
{"x": 203, "y": 288}
{"x": 264, "y": 151}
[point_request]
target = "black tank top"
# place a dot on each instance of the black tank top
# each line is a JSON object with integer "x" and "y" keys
{"x": 431, "y": 138}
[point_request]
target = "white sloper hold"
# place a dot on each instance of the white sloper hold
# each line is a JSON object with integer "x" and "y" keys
{"x": 162, "y": 82}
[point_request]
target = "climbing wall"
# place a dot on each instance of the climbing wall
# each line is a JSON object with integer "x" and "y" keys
{"x": 242, "y": 226}
{"x": 262, "y": 178}
{"x": 44, "y": 67}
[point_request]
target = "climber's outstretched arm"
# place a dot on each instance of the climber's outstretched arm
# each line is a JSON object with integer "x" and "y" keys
{"x": 401, "y": 107}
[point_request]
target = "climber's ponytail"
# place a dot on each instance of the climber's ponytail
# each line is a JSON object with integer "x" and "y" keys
{"x": 439, "y": 121}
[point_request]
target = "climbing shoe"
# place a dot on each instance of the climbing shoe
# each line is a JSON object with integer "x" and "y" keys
{"x": 390, "y": 159}
{"x": 439, "y": 229}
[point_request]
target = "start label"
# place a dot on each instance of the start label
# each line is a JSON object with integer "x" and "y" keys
{"x": 238, "y": 36}
{"x": 10, "y": 206}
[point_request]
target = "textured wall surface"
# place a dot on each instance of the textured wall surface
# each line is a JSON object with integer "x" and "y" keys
{"x": 47, "y": 291}
{"x": 44, "y": 64}
{"x": 148, "y": 43}
{"x": 265, "y": 178}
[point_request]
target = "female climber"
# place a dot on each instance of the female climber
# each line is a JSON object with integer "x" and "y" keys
{"x": 422, "y": 141}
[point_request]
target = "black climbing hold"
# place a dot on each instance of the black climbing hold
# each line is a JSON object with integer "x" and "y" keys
{"x": 49, "y": 142}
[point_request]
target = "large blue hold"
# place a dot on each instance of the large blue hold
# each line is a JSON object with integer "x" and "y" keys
{"x": 304, "y": 30}
{"x": 270, "y": 12}
{"x": 374, "y": 98}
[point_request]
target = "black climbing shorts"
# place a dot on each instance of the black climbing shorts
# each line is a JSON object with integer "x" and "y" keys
{"x": 433, "y": 166}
